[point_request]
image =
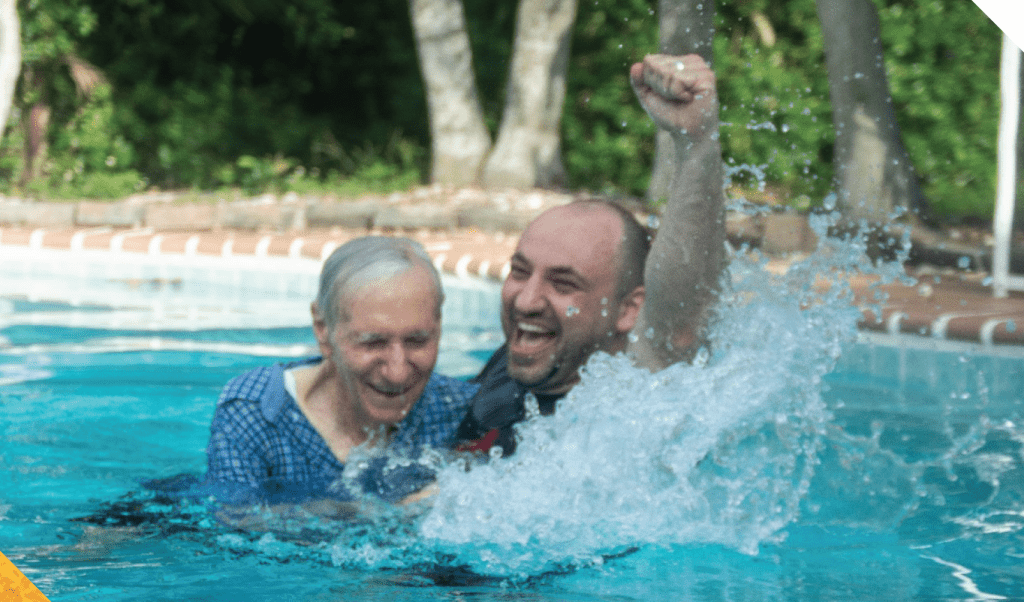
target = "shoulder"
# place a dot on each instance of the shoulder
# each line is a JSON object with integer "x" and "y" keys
{"x": 255, "y": 384}
{"x": 249, "y": 386}
{"x": 449, "y": 391}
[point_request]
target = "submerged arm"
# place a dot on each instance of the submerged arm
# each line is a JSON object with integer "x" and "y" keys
{"x": 687, "y": 256}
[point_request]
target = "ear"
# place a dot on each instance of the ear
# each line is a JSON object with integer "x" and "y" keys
{"x": 320, "y": 331}
{"x": 629, "y": 310}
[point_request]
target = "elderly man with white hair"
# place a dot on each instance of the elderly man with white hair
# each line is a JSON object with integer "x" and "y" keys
{"x": 285, "y": 432}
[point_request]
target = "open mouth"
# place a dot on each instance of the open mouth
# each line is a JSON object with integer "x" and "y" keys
{"x": 530, "y": 338}
{"x": 390, "y": 392}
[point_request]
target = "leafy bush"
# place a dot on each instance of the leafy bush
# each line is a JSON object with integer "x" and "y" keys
{"x": 943, "y": 64}
{"x": 312, "y": 95}
{"x": 608, "y": 139}
{"x": 776, "y": 119}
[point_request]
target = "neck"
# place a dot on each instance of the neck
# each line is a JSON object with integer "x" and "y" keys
{"x": 328, "y": 404}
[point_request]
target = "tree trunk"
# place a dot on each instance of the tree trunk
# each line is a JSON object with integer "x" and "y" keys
{"x": 685, "y": 27}
{"x": 10, "y": 58}
{"x": 459, "y": 139}
{"x": 874, "y": 175}
{"x": 528, "y": 151}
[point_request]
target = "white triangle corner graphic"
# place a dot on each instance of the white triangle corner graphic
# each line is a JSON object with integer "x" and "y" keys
{"x": 1008, "y": 15}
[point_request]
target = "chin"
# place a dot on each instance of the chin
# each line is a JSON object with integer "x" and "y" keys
{"x": 532, "y": 377}
{"x": 387, "y": 416}
{"x": 386, "y": 413}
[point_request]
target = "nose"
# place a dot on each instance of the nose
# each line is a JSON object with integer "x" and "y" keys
{"x": 529, "y": 298}
{"x": 396, "y": 367}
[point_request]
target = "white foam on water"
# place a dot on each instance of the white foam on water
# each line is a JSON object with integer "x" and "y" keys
{"x": 719, "y": 452}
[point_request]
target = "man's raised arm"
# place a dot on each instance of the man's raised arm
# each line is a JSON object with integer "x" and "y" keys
{"x": 687, "y": 257}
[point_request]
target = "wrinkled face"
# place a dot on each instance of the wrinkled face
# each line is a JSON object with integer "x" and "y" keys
{"x": 386, "y": 350}
{"x": 558, "y": 302}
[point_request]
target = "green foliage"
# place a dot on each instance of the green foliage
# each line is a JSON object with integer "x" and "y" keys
{"x": 395, "y": 166}
{"x": 491, "y": 29}
{"x": 201, "y": 84}
{"x": 316, "y": 95}
{"x": 85, "y": 154}
{"x": 942, "y": 58}
{"x": 88, "y": 158}
{"x": 608, "y": 139}
{"x": 776, "y": 120}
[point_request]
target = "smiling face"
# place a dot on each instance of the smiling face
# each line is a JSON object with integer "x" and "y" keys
{"x": 558, "y": 302}
{"x": 385, "y": 350}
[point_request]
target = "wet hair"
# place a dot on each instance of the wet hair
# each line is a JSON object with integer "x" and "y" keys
{"x": 632, "y": 250}
{"x": 364, "y": 261}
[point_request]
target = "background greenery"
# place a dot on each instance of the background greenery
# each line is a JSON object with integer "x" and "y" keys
{"x": 311, "y": 95}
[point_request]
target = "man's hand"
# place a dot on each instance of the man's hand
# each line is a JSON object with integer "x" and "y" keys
{"x": 678, "y": 92}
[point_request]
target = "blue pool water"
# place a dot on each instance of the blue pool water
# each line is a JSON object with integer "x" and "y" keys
{"x": 802, "y": 462}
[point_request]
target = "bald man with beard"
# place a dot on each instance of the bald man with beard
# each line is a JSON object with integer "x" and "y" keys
{"x": 585, "y": 277}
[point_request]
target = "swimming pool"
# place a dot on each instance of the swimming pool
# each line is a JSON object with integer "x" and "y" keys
{"x": 775, "y": 471}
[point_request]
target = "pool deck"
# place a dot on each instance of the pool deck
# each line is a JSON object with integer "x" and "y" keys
{"x": 943, "y": 303}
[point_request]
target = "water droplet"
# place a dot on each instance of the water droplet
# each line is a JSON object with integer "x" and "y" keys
{"x": 964, "y": 262}
{"x": 530, "y": 405}
{"x": 653, "y": 222}
{"x": 1011, "y": 326}
{"x": 571, "y": 311}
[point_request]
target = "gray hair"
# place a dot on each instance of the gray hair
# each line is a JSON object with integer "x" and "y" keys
{"x": 365, "y": 261}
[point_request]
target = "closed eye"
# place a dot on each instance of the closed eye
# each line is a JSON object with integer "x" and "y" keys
{"x": 374, "y": 344}
{"x": 518, "y": 272}
{"x": 419, "y": 340}
{"x": 565, "y": 286}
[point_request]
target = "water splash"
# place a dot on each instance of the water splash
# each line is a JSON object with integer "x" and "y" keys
{"x": 738, "y": 450}
{"x": 721, "y": 453}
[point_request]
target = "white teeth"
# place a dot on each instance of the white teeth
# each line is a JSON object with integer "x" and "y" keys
{"x": 531, "y": 328}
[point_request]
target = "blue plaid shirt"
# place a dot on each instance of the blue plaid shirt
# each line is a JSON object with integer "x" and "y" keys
{"x": 262, "y": 444}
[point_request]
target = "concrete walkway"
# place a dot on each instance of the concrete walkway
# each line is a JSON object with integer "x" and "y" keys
{"x": 467, "y": 232}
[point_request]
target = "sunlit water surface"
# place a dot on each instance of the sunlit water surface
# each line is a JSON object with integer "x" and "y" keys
{"x": 798, "y": 460}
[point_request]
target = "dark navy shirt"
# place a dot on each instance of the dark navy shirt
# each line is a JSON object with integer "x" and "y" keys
{"x": 262, "y": 445}
{"x": 497, "y": 407}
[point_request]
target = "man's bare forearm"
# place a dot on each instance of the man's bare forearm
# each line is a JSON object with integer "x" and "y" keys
{"x": 686, "y": 260}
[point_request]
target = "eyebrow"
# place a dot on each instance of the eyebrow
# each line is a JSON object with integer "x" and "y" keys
{"x": 366, "y": 337}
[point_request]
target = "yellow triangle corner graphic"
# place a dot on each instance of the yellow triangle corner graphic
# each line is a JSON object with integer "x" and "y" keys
{"x": 1008, "y": 15}
{"x": 15, "y": 586}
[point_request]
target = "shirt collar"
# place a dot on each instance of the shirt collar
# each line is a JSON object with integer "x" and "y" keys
{"x": 275, "y": 397}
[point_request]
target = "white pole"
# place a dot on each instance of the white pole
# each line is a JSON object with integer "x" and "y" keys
{"x": 1006, "y": 162}
{"x": 10, "y": 58}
